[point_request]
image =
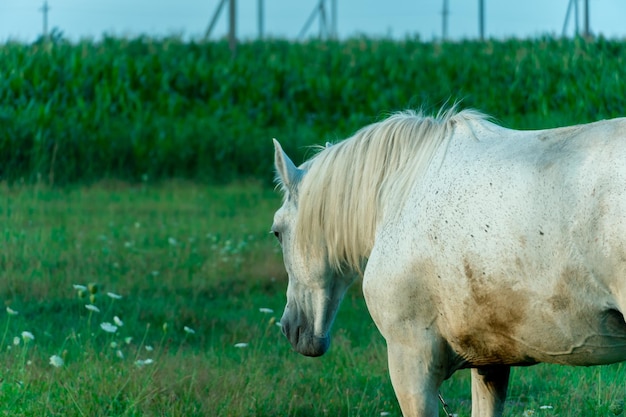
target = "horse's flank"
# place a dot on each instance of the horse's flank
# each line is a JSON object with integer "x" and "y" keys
{"x": 337, "y": 216}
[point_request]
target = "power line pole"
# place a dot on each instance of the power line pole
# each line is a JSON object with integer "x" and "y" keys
{"x": 481, "y": 19}
{"x": 261, "y": 17}
{"x": 586, "y": 32}
{"x": 323, "y": 23}
{"x": 334, "y": 29}
{"x": 45, "y": 9}
{"x": 216, "y": 15}
{"x": 232, "y": 22}
{"x": 577, "y": 18}
{"x": 572, "y": 4}
{"x": 232, "y": 29}
{"x": 444, "y": 20}
{"x": 320, "y": 11}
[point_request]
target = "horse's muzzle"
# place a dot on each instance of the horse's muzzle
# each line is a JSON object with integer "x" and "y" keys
{"x": 304, "y": 342}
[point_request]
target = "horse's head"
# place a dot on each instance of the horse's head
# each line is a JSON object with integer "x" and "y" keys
{"x": 315, "y": 289}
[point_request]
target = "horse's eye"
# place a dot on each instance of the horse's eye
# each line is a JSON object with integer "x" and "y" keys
{"x": 277, "y": 235}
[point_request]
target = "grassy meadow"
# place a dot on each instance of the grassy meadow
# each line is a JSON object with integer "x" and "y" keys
{"x": 162, "y": 300}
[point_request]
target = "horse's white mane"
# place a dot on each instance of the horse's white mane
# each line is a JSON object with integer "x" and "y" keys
{"x": 348, "y": 186}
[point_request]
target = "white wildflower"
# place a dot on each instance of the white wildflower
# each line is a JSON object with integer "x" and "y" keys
{"x": 108, "y": 327}
{"x": 92, "y": 307}
{"x": 546, "y": 407}
{"x": 113, "y": 345}
{"x": 16, "y": 341}
{"x": 172, "y": 241}
{"x": 114, "y": 296}
{"x": 144, "y": 362}
{"x": 241, "y": 345}
{"x": 56, "y": 361}
{"x": 128, "y": 340}
{"x": 149, "y": 348}
{"x": 27, "y": 336}
{"x": 189, "y": 330}
{"x": 79, "y": 287}
{"x": 266, "y": 310}
{"x": 12, "y": 312}
{"x": 119, "y": 354}
{"x": 118, "y": 322}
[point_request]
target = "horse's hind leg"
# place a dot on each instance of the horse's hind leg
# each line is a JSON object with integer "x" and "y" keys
{"x": 489, "y": 386}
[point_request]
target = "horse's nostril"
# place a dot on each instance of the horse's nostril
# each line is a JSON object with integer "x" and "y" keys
{"x": 284, "y": 327}
{"x": 299, "y": 331}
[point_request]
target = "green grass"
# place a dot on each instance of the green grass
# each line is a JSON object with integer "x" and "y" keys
{"x": 184, "y": 254}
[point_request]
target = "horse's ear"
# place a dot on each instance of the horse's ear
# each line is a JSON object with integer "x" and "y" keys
{"x": 287, "y": 173}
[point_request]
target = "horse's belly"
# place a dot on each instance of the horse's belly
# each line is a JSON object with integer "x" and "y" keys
{"x": 593, "y": 338}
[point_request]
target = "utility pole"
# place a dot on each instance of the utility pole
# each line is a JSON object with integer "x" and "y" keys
{"x": 232, "y": 21}
{"x": 587, "y": 32}
{"x": 444, "y": 20}
{"x": 209, "y": 29}
{"x": 232, "y": 30}
{"x": 323, "y": 23}
{"x": 577, "y": 18}
{"x": 45, "y": 9}
{"x": 574, "y": 4}
{"x": 481, "y": 19}
{"x": 320, "y": 11}
{"x": 260, "y": 11}
{"x": 334, "y": 29}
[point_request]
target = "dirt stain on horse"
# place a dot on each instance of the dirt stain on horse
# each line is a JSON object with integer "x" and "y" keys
{"x": 559, "y": 302}
{"x": 494, "y": 312}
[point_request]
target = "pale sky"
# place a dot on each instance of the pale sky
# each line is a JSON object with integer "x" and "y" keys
{"x": 23, "y": 19}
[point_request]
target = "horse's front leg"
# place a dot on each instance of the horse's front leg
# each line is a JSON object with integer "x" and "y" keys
{"x": 416, "y": 373}
{"x": 489, "y": 386}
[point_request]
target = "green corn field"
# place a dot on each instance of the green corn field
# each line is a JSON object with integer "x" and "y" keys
{"x": 159, "y": 108}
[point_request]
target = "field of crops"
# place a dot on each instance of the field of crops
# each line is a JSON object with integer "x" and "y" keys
{"x": 158, "y": 108}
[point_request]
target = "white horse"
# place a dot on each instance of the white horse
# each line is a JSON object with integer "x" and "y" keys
{"x": 480, "y": 247}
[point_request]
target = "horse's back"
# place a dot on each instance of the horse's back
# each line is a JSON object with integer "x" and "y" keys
{"x": 515, "y": 240}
